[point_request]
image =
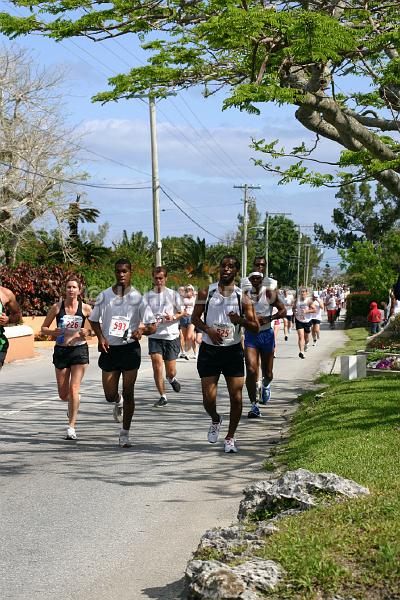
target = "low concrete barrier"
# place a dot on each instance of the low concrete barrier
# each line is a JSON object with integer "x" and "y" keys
{"x": 353, "y": 367}
{"x": 21, "y": 340}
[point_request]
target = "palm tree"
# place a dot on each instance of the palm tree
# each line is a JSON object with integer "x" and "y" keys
{"x": 194, "y": 256}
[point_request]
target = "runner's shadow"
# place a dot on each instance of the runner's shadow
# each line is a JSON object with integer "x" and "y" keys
{"x": 171, "y": 591}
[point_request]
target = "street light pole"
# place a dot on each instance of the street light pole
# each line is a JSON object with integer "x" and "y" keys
{"x": 155, "y": 181}
{"x": 298, "y": 261}
{"x": 246, "y": 187}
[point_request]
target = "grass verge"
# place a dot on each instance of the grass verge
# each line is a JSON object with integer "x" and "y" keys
{"x": 350, "y": 548}
{"x": 357, "y": 341}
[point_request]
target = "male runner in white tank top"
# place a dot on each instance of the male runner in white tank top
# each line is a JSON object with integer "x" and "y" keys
{"x": 259, "y": 348}
{"x": 221, "y": 311}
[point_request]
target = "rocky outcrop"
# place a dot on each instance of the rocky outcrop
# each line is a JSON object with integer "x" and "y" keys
{"x": 214, "y": 580}
{"x": 296, "y": 491}
{"x": 254, "y": 577}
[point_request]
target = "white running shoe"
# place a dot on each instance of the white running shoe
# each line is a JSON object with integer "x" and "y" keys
{"x": 213, "y": 431}
{"x": 229, "y": 446}
{"x": 118, "y": 410}
{"x": 71, "y": 433}
{"x": 124, "y": 440}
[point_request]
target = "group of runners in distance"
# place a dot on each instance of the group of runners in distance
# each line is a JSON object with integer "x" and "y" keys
{"x": 209, "y": 324}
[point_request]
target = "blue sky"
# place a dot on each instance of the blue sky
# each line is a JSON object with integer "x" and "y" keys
{"x": 203, "y": 151}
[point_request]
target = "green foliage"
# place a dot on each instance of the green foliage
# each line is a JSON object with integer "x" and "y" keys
{"x": 360, "y": 216}
{"x": 374, "y": 267}
{"x": 36, "y": 288}
{"x": 358, "y": 306}
{"x": 350, "y": 548}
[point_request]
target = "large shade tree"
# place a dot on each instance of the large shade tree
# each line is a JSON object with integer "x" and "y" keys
{"x": 37, "y": 152}
{"x": 336, "y": 61}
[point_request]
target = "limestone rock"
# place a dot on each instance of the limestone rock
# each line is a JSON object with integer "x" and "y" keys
{"x": 228, "y": 539}
{"x": 213, "y": 580}
{"x": 296, "y": 491}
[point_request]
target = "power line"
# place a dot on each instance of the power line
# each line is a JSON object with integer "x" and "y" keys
{"x": 190, "y": 218}
{"x": 74, "y": 182}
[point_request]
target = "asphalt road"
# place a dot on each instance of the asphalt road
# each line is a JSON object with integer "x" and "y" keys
{"x": 87, "y": 520}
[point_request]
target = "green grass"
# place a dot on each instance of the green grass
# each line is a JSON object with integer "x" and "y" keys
{"x": 351, "y": 548}
{"x": 357, "y": 341}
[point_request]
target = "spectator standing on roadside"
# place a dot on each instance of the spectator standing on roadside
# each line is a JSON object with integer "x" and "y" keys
{"x": 374, "y": 318}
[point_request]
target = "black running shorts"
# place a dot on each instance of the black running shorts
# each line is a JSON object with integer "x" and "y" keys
{"x": 305, "y": 326}
{"x": 126, "y": 357}
{"x": 169, "y": 349}
{"x": 65, "y": 357}
{"x": 214, "y": 360}
{"x": 2, "y": 357}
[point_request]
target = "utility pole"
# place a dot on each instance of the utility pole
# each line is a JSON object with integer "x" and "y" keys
{"x": 298, "y": 261}
{"x": 267, "y": 215}
{"x": 245, "y": 187}
{"x": 308, "y": 250}
{"x": 155, "y": 182}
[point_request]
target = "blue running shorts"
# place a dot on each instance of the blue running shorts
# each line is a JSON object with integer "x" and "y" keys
{"x": 264, "y": 341}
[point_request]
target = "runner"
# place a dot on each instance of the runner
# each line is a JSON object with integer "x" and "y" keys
{"x": 288, "y": 301}
{"x": 225, "y": 310}
{"x": 187, "y": 328}
{"x": 10, "y": 312}
{"x": 331, "y": 307}
{"x": 71, "y": 353}
{"x": 259, "y": 347}
{"x": 304, "y": 310}
{"x": 119, "y": 319}
{"x": 164, "y": 344}
{"x": 316, "y": 318}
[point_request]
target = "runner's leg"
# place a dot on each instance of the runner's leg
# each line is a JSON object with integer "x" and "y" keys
{"x": 235, "y": 387}
{"x": 252, "y": 360}
{"x": 209, "y": 386}
{"x": 158, "y": 372}
{"x": 128, "y": 394}
{"x": 300, "y": 336}
{"x": 110, "y": 380}
{"x": 62, "y": 377}
{"x": 77, "y": 373}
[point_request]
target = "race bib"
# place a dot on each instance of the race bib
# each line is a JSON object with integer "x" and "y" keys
{"x": 225, "y": 330}
{"x": 118, "y": 326}
{"x": 72, "y": 323}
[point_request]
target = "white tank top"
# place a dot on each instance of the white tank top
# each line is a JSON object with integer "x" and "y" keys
{"x": 288, "y": 302}
{"x": 218, "y": 310}
{"x": 318, "y": 314}
{"x": 301, "y": 306}
{"x": 262, "y": 306}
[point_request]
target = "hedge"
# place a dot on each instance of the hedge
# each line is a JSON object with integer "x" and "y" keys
{"x": 358, "y": 307}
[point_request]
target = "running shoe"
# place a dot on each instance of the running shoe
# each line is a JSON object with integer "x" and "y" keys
{"x": 305, "y": 347}
{"x": 286, "y": 338}
{"x": 161, "y": 402}
{"x": 301, "y": 355}
{"x": 194, "y": 355}
{"x": 124, "y": 440}
{"x": 254, "y": 412}
{"x": 265, "y": 394}
{"x": 213, "y": 431}
{"x": 314, "y": 342}
{"x": 118, "y": 412}
{"x": 229, "y": 446}
{"x": 176, "y": 386}
{"x": 186, "y": 357}
{"x": 71, "y": 433}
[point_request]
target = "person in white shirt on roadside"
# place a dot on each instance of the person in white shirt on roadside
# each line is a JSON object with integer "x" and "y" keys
{"x": 316, "y": 318}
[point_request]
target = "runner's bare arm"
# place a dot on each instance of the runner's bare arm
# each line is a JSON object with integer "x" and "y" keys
{"x": 12, "y": 307}
{"x": 102, "y": 341}
{"x": 143, "y": 330}
{"x": 86, "y": 331}
{"x": 249, "y": 321}
{"x": 281, "y": 310}
{"x": 198, "y": 322}
{"x": 51, "y": 315}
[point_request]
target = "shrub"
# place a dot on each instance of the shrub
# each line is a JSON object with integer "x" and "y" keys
{"x": 36, "y": 288}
